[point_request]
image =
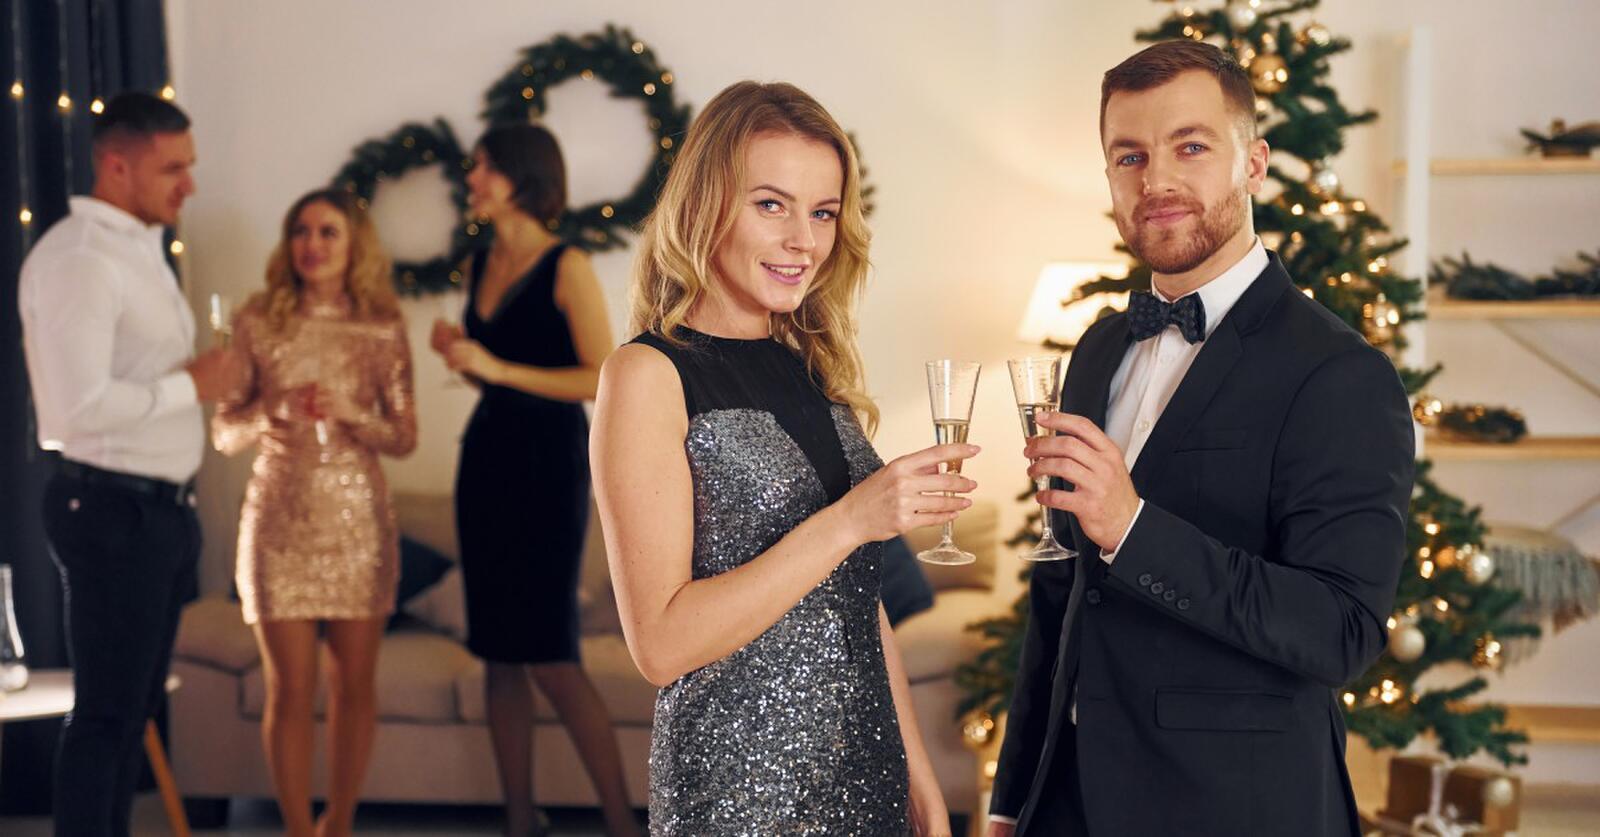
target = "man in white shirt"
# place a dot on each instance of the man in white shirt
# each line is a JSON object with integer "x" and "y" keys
{"x": 109, "y": 341}
{"x": 1234, "y": 464}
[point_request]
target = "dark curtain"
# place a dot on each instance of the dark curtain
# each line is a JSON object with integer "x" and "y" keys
{"x": 57, "y": 58}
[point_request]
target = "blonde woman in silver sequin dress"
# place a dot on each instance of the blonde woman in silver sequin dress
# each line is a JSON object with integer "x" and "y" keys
{"x": 742, "y": 503}
{"x": 331, "y": 390}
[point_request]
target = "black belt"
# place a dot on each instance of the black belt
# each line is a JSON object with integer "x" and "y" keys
{"x": 167, "y": 492}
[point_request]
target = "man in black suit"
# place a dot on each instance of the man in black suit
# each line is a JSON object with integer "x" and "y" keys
{"x": 1234, "y": 464}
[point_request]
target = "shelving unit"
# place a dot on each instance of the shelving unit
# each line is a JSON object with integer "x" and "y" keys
{"x": 1441, "y": 307}
{"x": 1506, "y": 166}
{"x": 1564, "y": 448}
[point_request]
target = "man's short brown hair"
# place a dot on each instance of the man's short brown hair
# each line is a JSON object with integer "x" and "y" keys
{"x": 1160, "y": 63}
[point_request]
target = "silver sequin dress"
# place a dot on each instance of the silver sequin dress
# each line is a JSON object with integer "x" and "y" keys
{"x": 795, "y": 733}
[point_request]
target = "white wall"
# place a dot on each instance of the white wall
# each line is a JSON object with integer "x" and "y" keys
{"x": 976, "y": 120}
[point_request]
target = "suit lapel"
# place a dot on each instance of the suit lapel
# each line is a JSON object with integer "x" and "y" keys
{"x": 1211, "y": 367}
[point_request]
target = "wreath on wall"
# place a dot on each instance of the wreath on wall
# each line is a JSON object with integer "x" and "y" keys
{"x": 614, "y": 56}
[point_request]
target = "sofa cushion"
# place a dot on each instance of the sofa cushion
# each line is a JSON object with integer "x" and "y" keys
{"x": 417, "y": 672}
{"x": 935, "y": 641}
{"x": 443, "y": 606}
{"x": 212, "y": 632}
{"x": 977, "y": 531}
{"x": 629, "y": 697}
{"x": 906, "y": 591}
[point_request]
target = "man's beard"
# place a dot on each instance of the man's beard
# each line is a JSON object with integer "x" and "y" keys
{"x": 1169, "y": 252}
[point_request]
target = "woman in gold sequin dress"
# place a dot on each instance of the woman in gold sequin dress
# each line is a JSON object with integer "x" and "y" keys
{"x": 331, "y": 390}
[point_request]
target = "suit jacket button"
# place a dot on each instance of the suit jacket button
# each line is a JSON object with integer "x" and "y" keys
{"x": 1169, "y": 595}
{"x": 1156, "y": 588}
{"x": 1145, "y": 579}
{"x": 1183, "y": 604}
{"x": 1093, "y": 596}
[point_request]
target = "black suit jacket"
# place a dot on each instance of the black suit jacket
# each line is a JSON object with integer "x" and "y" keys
{"x": 1257, "y": 579}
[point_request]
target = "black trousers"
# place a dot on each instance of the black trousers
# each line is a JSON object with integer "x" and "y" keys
{"x": 128, "y": 563}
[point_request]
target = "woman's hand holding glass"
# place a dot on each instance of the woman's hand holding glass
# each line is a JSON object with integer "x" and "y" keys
{"x": 908, "y": 493}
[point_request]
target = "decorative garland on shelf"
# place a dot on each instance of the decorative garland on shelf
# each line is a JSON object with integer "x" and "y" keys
{"x": 1470, "y": 422}
{"x": 1465, "y": 279}
{"x": 412, "y": 146}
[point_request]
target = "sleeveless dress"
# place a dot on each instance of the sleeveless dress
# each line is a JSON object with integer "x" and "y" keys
{"x": 796, "y": 732}
{"x": 522, "y": 486}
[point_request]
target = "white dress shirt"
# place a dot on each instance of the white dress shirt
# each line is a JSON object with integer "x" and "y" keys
{"x": 107, "y": 333}
{"x": 1151, "y": 372}
{"x": 1152, "y": 369}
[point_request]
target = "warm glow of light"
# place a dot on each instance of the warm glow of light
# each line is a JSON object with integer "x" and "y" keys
{"x": 176, "y": 248}
{"x": 1442, "y": 605}
{"x": 1046, "y": 318}
{"x": 25, "y": 216}
{"x": 65, "y": 102}
{"x": 1427, "y": 569}
{"x": 97, "y": 107}
{"x": 168, "y": 93}
{"x": 1349, "y": 699}
{"x": 16, "y": 89}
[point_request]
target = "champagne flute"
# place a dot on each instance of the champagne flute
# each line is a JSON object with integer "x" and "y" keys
{"x": 450, "y": 312}
{"x": 1036, "y": 382}
{"x": 220, "y": 315}
{"x": 320, "y": 422}
{"x": 952, "y": 385}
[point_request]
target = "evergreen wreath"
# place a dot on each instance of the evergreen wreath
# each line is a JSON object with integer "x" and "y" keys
{"x": 614, "y": 56}
{"x": 413, "y": 146}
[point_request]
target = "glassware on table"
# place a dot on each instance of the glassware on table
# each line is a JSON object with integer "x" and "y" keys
{"x": 220, "y": 314}
{"x": 13, "y": 662}
{"x": 1036, "y": 382}
{"x": 952, "y": 385}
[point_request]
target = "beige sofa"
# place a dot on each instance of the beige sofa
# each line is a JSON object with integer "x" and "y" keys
{"x": 431, "y": 743}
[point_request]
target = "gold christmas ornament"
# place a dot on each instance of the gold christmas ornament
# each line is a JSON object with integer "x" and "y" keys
{"x": 1478, "y": 567}
{"x": 1242, "y": 13}
{"x": 1426, "y": 411}
{"x": 1499, "y": 792}
{"x": 1315, "y": 33}
{"x": 1407, "y": 643}
{"x": 1486, "y": 652}
{"x": 1324, "y": 179}
{"x": 1269, "y": 73}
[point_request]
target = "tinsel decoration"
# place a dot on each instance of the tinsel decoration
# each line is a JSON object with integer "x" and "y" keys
{"x": 1464, "y": 278}
{"x": 1470, "y": 422}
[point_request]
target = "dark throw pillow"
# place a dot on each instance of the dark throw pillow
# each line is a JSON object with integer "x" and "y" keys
{"x": 906, "y": 591}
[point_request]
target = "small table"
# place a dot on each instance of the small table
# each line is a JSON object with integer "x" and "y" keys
{"x": 49, "y": 695}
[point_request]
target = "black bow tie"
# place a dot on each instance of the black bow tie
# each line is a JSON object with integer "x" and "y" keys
{"x": 1149, "y": 316}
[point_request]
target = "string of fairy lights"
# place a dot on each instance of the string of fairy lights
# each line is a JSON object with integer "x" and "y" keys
{"x": 66, "y": 108}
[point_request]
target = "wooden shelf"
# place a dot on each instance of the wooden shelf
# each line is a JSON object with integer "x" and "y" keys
{"x": 1557, "y": 723}
{"x": 1441, "y": 307}
{"x": 1508, "y": 166}
{"x": 1529, "y": 448}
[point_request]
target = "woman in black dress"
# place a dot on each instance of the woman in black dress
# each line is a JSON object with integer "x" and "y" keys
{"x": 535, "y": 335}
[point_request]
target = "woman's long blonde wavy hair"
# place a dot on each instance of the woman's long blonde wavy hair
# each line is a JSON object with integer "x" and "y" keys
{"x": 369, "y": 280}
{"x": 696, "y": 210}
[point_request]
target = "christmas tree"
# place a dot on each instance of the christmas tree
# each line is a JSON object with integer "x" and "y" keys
{"x": 1338, "y": 250}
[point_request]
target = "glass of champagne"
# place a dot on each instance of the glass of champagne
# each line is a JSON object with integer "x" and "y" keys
{"x": 952, "y": 385}
{"x": 1036, "y": 381}
{"x": 450, "y": 312}
{"x": 220, "y": 316}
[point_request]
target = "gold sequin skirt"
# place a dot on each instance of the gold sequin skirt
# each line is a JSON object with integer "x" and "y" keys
{"x": 317, "y": 538}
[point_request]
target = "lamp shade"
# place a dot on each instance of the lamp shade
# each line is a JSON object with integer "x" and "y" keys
{"x": 1047, "y": 318}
